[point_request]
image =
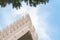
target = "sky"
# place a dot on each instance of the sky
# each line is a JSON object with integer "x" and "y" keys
{"x": 45, "y": 18}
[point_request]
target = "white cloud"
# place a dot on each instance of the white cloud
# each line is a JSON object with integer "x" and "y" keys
{"x": 39, "y": 21}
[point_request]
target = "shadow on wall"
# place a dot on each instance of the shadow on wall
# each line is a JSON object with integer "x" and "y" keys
{"x": 27, "y": 36}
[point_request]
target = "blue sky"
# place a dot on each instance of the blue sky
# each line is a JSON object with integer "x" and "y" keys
{"x": 45, "y": 18}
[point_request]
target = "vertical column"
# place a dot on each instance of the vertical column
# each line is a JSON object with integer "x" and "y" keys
{"x": 33, "y": 33}
{"x": 31, "y": 28}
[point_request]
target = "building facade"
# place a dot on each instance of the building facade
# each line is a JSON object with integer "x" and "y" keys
{"x": 22, "y": 29}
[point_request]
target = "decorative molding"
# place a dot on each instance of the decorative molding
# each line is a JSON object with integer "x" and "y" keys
{"x": 16, "y": 27}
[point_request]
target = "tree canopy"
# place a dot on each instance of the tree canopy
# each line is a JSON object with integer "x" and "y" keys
{"x": 17, "y": 3}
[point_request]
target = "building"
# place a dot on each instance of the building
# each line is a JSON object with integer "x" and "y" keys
{"x": 22, "y": 29}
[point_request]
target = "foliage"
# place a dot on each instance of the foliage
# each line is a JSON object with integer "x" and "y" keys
{"x": 17, "y": 3}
